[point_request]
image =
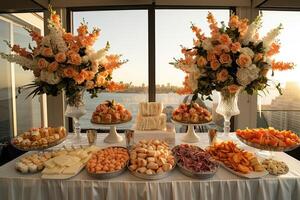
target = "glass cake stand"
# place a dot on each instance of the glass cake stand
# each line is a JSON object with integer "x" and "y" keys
{"x": 113, "y": 136}
{"x": 190, "y": 136}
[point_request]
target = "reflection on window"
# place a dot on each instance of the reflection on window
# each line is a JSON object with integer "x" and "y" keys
{"x": 6, "y": 127}
{"x": 127, "y": 33}
{"x": 283, "y": 112}
{"x": 173, "y": 30}
{"x": 28, "y": 109}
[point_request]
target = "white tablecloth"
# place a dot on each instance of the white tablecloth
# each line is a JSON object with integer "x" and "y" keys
{"x": 223, "y": 186}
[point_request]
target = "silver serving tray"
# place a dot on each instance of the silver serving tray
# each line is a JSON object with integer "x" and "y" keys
{"x": 152, "y": 176}
{"x": 113, "y": 174}
{"x": 266, "y": 147}
{"x": 111, "y": 124}
{"x": 39, "y": 148}
{"x": 197, "y": 175}
{"x": 107, "y": 175}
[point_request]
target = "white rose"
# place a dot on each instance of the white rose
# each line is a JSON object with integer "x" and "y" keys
{"x": 246, "y": 75}
{"x": 53, "y": 78}
{"x": 206, "y": 44}
{"x": 44, "y": 75}
{"x": 247, "y": 51}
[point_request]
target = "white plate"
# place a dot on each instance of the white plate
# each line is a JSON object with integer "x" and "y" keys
{"x": 249, "y": 175}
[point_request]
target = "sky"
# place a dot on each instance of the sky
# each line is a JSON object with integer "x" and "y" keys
{"x": 127, "y": 33}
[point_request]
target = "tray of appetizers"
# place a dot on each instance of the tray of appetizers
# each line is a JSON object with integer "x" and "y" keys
{"x": 151, "y": 160}
{"x": 110, "y": 113}
{"x": 67, "y": 162}
{"x": 237, "y": 161}
{"x": 191, "y": 113}
{"x": 37, "y": 139}
{"x": 269, "y": 139}
{"x": 108, "y": 163}
{"x": 32, "y": 163}
{"x": 194, "y": 162}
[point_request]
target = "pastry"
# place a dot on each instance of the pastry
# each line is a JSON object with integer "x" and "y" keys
{"x": 151, "y": 157}
{"x": 108, "y": 160}
{"x": 110, "y": 112}
{"x": 191, "y": 113}
{"x": 270, "y": 137}
{"x": 39, "y": 138}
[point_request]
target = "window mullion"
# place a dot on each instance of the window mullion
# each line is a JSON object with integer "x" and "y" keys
{"x": 151, "y": 53}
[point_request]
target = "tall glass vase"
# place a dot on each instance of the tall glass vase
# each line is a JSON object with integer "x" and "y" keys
{"x": 76, "y": 109}
{"x": 228, "y": 107}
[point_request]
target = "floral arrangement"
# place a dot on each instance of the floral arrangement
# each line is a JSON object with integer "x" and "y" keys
{"x": 63, "y": 61}
{"x": 233, "y": 58}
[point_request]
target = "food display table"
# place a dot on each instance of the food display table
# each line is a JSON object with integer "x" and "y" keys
{"x": 223, "y": 186}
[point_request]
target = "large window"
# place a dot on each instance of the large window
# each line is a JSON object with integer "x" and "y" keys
{"x": 127, "y": 33}
{"x": 28, "y": 109}
{"x": 6, "y": 124}
{"x": 283, "y": 112}
{"x": 18, "y": 113}
{"x": 172, "y": 30}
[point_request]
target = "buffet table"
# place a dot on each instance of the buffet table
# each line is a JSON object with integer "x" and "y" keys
{"x": 223, "y": 186}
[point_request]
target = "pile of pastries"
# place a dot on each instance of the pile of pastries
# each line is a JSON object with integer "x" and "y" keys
{"x": 68, "y": 161}
{"x": 110, "y": 112}
{"x": 270, "y": 137}
{"x": 194, "y": 158}
{"x": 108, "y": 160}
{"x": 191, "y": 113}
{"x": 151, "y": 157}
{"x": 33, "y": 163}
{"x": 36, "y": 138}
{"x": 275, "y": 167}
{"x": 235, "y": 158}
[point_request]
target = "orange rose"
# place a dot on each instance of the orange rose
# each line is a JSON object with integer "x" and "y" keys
{"x": 100, "y": 80}
{"x": 225, "y": 59}
{"x": 214, "y": 64}
{"x": 79, "y": 78}
{"x": 47, "y": 52}
{"x": 90, "y": 75}
{"x": 89, "y": 85}
{"x": 222, "y": 75}
{"x": 201, "y": 61}
{"x": 42, "y": 63}
{"x": 234, "y": 21}
{"x": 75, "y": 59}
{"x": 233, "y": 88}
{"x": 60, "y": 57}
{"x": 74, "y": 47}
{"x": 225, "y": 39}
{"x": 68, "y": 37}
{"x": 53, "y": 66}
{"x": 70, "y": 72}
{"x": 244, "y": 60}
{"x": 235, "y": 47}
{"x": 211, "y": 56}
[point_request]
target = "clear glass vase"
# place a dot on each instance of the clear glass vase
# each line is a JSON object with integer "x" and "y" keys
{"x": 76, "y": 109}
{"x": 228, "y": 107}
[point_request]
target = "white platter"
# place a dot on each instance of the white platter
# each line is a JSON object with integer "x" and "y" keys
{"x": 250, "y": 175}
